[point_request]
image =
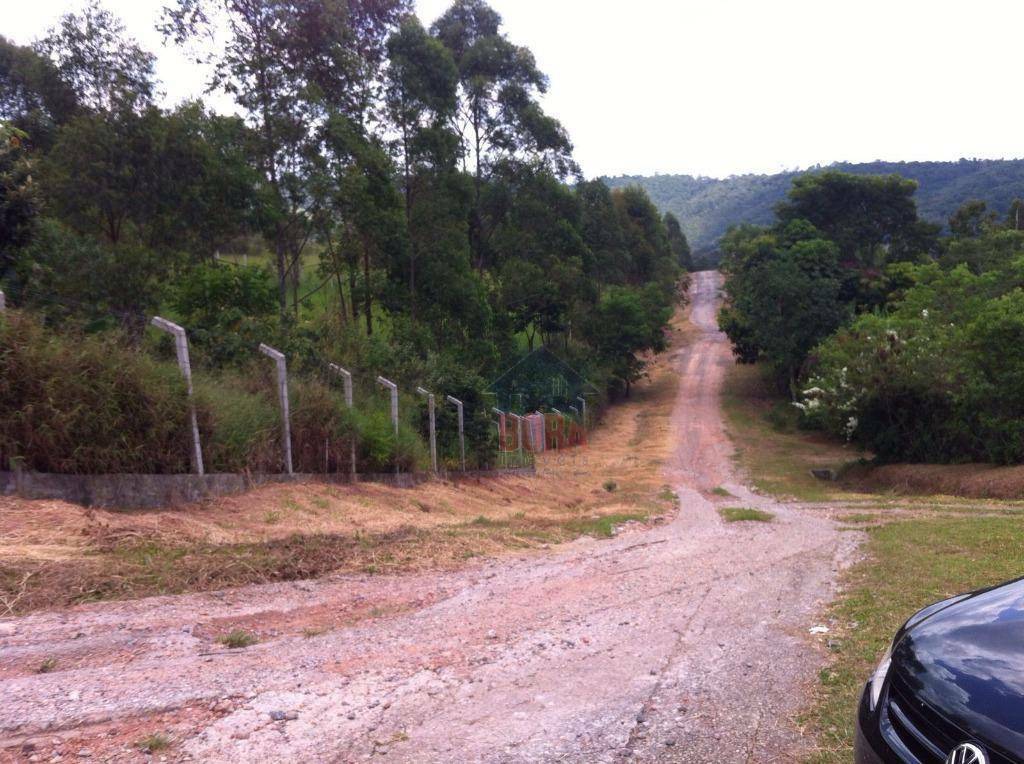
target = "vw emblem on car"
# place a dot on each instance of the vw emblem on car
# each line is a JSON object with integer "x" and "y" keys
{"x": 967, "y": 753}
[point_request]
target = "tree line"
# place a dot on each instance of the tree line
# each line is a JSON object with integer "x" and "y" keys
{"x": 707, "y": 207}
{"x": 883, "y": 330}
{"x": 409, "y": 206}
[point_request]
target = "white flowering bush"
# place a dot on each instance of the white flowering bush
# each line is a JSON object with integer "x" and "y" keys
{"x": 938, "y": 379}
{"x": 878, "y": 380}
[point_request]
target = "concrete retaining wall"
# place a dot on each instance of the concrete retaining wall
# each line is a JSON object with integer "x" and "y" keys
{"x": 155, "y": 491}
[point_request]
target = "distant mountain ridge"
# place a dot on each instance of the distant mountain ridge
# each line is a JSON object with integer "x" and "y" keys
{"x": 706, "y": 207}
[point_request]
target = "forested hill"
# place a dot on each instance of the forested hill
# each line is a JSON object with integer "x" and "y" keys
{"x": 706, "y": 207}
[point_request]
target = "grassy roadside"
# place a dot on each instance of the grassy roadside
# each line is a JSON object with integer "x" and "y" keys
{"x": 918, "y": 549}
{"x": 124, "y": 567}
{"x": 770, "y": 449}
{"x": 908, "y": 564}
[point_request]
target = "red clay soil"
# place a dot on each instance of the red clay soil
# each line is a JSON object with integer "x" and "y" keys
{"x": 682, "y": 641}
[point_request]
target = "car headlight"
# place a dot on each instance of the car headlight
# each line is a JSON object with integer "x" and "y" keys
{"x": 878, "y": 679}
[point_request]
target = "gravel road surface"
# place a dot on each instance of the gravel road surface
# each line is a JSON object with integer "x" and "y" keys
{"x": 685, "y": 641}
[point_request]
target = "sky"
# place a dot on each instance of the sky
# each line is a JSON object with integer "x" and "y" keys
{"x": 726, "y": 87}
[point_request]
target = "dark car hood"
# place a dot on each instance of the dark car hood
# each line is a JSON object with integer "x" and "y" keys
{"x": 966, "y": 661}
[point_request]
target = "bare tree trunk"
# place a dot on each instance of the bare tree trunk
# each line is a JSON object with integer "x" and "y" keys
{"x": 296, "y": 273}
{"x": 367, "y": 296}
{"x": 282, "y": 279}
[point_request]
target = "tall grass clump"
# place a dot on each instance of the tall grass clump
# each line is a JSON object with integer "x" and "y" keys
{"x": 79, "y": 403}
{"x": 240, "y": 428}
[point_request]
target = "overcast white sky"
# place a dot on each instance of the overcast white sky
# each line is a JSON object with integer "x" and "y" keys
{"x": 720, "y": 87}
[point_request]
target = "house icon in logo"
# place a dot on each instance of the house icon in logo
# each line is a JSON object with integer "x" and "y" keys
{"x": 540, "y": 381}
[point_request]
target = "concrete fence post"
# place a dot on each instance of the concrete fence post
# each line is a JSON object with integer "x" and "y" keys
{"x": 519, "y": 433}
{"x": 583, "y": 408}
{"x": 561, "y": 427}
{"x": 282, "y": 392}
{"x": 346, "y": 377}
{"x": 181, "y": 350}
{"x": 394, "y": 410}
{"x": 579, "y": 429}
{"x": 3, "y": 300}
{"x": 433, "y": 426}
{"x": 502, "y": 459}
{"x": 462, "y": 435}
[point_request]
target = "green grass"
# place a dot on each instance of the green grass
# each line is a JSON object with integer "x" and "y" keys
{"x": 909, "y": 564}
{"x": 720, "y": 491}
{"x": 770, "y": 448}
{"x": 610, "y": 485}
{"x": 486, "y": 522}
{"x": 740, "y": 514}
{"x": 158, "y": 741}
{"x": 602, "y": 527}
{"x": 238, "y": 639}
{"x": 48, "y": 665}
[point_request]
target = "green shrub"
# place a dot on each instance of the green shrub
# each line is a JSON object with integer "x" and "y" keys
{"x": 228, "y": 310}
{"x": 939, "y": 379}
{"x": 77, "y": 403}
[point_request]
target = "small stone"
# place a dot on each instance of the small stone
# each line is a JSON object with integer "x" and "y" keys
{"x": 670, "y": 743}
{"x": 7, "y": 629}
{"x": 277, "y": 716}
{"x": 351, "y": 716}
{"x": 74, "y": 695}
{"x": 291, "y": 716}
{"x": 492, "y": 634}
{"x": 84, "y": 753}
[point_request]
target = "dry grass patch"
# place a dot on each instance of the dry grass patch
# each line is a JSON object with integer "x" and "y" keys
{"x": 979, "y": 481}
{"x": 54, "y": 554}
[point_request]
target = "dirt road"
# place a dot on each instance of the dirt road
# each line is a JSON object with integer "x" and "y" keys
{"x": 683, "y": 642}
